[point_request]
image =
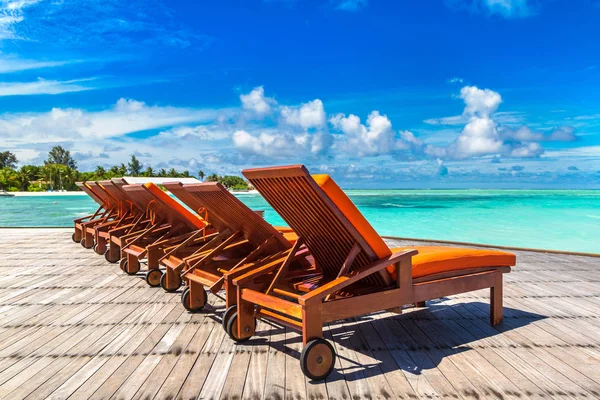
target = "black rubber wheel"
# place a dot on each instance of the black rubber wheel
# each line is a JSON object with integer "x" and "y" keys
{"x": 231, "y": 328}
{"x": 317, "y": 359}
{"x": 153, "y": 277}
{"x": 227, "y": 314}
{"x": 107, "y": 257}
{"x": 198, "y": 305}
{"x": 73, "y": 238}
{"x": 126, "y": 265}
{"x": 95, "y": 248}
{"x": 163, "y": 284}
{"x": 87, "y": 247}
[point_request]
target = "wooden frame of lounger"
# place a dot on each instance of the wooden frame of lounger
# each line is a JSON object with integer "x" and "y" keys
{"x": 172, "y": 225}
{"x": 113, "y": 213}
{"x": 131, "y": 217}
{"x": 100, "y": 214}
{"x": 243, "y": 235}
{"x": 152, "y": 226}
{"x": 357, "y": 281}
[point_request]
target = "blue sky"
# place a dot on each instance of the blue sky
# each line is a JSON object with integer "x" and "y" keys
{"x": 437, "y": 93}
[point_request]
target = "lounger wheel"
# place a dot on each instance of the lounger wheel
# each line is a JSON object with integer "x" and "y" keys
{"x": 95, "y": 248}
{"x": 73, "y": 238}
{"x": 227, "y": 314}
{"x": 163, "y": 284}
{"x": 195, "y": 306}
{"x": 83, "y": 244}
{"x": 107, "y": 257}
{"x": 124, "y": 264}
{"x": 317, "y": 359}
{"x": 232, "y": 327}
{"x": 153, "y": 277}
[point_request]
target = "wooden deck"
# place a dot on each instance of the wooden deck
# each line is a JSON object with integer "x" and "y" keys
{"x": 74, "y": 326}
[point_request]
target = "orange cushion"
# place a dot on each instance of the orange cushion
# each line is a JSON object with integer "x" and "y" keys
{"x": 291, "y": 237}
{"x": 355, "y": 217}
{"x": 436, "y": 259}
{"x": 173, "y": 204}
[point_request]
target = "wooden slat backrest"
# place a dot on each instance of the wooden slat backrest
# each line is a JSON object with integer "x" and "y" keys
{"x": 104, "y": 194}
{"x": 175, "y": 212}
{"x": 328, "y": 234}
{"x": 195, "y": 203}
{"x": 116, "y": 189}
{"x": 140, "y": 197}
{"x": 238, "y": 217}
{"x": 95, "y": 196}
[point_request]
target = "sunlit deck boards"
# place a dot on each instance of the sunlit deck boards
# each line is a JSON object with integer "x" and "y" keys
{"x": 72, "y": 325}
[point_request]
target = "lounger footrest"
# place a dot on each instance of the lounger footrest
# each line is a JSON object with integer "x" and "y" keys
{"x": 134, "y": 250}
{"x": 268, "y": 301}
{"x": 202, "y": 277}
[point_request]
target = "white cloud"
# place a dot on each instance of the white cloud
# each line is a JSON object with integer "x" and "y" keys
{"x": 562, "y": 134}
{"x": 126, "y": 116}
{"x": 479, "y": 137}
{"x": 11, "y": 13}
{"x": 525, "y": 134}
{"x": 526, "y": 150}
{"x": 257, "y": 102}
{"x": 12, "y": 63}
{"x": 455, "y": 80}
{"x": 480, "y": 102}
{"x": 308, "y": 115}
{"x": 276, "y": 144}
{"x": 42, "y": 86}
{"x": 375, "y": 138}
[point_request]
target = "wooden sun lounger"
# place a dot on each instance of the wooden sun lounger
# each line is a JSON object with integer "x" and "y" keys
{"x": 99, "y": 215}
{"x": 113, "y": 213}
{"x": 360, "y": 274}
{"x": 131, "y": 217}
{"x": 244, "y": 240}
{"x": 171, "y": 224}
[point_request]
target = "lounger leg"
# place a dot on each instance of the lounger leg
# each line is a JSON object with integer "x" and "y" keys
{"x": 89, "y": 239}
{"x": 113, "y": 253}
{"x": 496, "y": 301}
{"x": 230, "y": 292}
{"x": 420, "y": 304}
{"x": 100, "y": 244}
{"x": 152, "y": 257}
{"x": 172, "y": 279}
{"x": 77, "y": 235}
{"x": 245, "y": 318}
{"x": 133, "y": 264}
{"x": 312, "y": 324}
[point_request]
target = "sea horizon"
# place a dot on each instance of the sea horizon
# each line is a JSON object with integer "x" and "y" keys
{"x": 552, "y": 219}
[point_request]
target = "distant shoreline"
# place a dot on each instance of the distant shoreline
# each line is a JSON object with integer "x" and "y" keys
{"x": 37, "y": 194}
{"x": 80, "y": 193}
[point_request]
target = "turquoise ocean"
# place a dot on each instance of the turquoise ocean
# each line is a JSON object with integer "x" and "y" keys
{"x": 548, "y": 219}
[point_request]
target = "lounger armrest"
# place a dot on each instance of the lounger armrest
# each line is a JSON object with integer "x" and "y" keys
{"x": 120, "y": 229}
{"x": 317, "y": 295}
{"x": 81, "y": 219}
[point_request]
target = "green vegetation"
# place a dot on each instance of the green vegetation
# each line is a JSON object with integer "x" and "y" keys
{"x": 229, "y": 181}
{"x": 59, "y": 172}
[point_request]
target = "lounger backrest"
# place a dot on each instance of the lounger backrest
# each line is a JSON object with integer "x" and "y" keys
{"x": 195, "y": 203}
{"x": 116, "y": 190}
{"x": 175, "y": 212}
{"x": 323, "y": 216}
{"x": 85, "y": 188}
{"x": 104, "y": 194}
{"x": 239, "y": 218}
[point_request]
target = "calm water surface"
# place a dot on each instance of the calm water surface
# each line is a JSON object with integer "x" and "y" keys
{"x": 564, "y": 220}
